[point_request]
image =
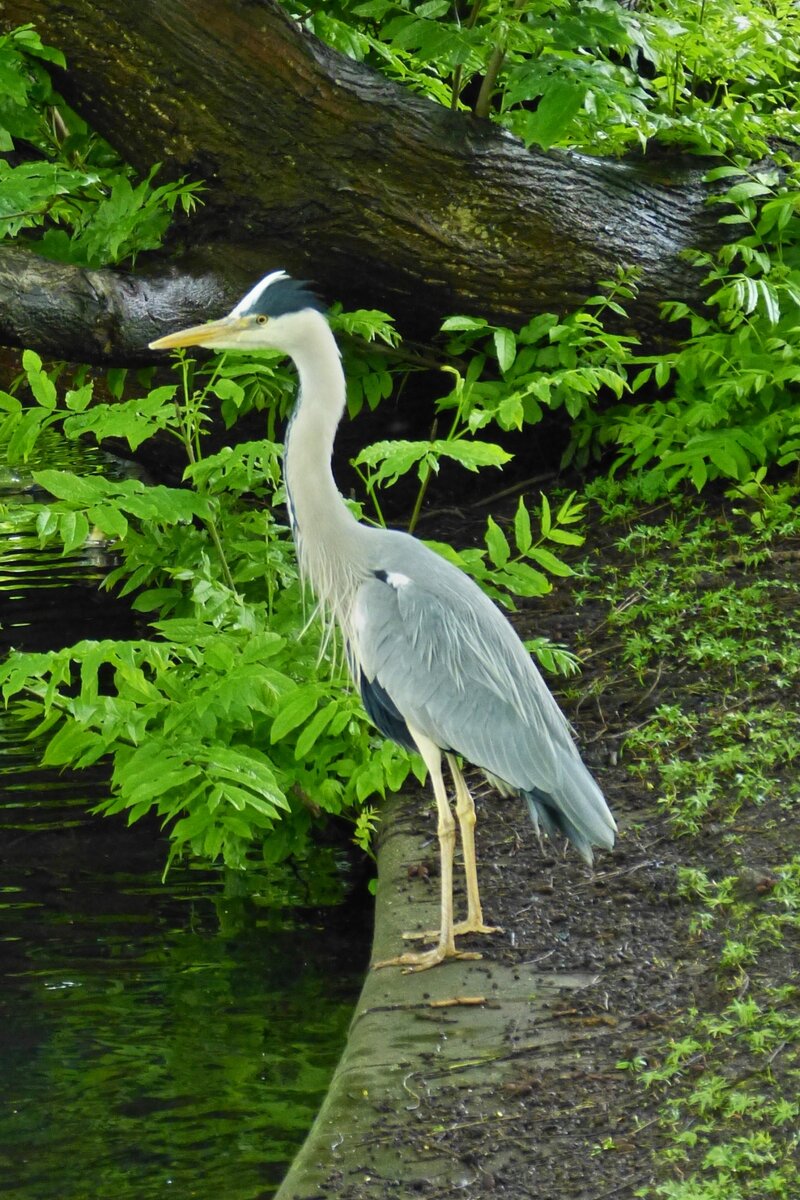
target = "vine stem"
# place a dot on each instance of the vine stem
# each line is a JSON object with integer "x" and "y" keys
{"x": 191, "y": 444}
{"x": 493, "y": 66}
{"x": 426, "y": 478}
{"x": 458, "y": 74}
{"x": 423, "y": 487}
{"x": 211, "y": 526}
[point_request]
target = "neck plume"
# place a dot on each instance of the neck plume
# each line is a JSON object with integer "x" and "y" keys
{"x": 329, "y": 540}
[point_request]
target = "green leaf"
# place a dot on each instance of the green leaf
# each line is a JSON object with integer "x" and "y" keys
{"x": 26, "y": 433}
{"x": 563, "y": 537}
{"x": 109, "y": 520}
{"x": 497, "y": 543}
{"x": 43, "y": 388}
{"x": 522, "y": 527}
{"x": 746, "y": 191}
{"x": 722, "y": 173}
{"x": 473, "y": 454}
{"x": 31, "y": 362}
{"x": 463, "y": 323}
{"x": 505, "y": 345}
{"x": 546, "y": 558}
{"x": 73, "y": 529}
{"x": 546, "y": 520}
{"x": 432, "y": 9}
{"x": 562, "y": 100}
{"x": 521, "y": 579}
{"x": 314, "y": 729}
{"x": 154, "y": 599}
{"x": 79, "y": 490}
{"x": 392, "y": 459}
{"x": 699, "y": 474}
{"x": 248, "y": 768}
{"x": 296, "y": 708}
{"x": 68, "y": 744}
{"x": 570, "y": 511}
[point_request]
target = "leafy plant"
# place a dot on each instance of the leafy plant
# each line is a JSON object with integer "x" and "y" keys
{"x": 27, "y": 92}
{"x": 700, "y": 607}
{"x": 221, "y": 721}
{"x": 595, "y": 76}
{"x": 64, "y": 190}
{"x": 726, "y": 401}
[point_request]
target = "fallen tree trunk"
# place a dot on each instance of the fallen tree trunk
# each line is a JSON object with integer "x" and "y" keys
{"x": 316, "y": 163}
{"x": 98, "y": 316}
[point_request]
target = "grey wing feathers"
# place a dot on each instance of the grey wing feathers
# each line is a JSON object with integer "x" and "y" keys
{"x": 457, "y": 672}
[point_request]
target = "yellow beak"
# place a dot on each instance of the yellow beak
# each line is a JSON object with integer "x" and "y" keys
{"x": 220, "y": 334}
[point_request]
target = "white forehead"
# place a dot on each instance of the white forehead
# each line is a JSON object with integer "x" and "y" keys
{"x": 253, "y": 295}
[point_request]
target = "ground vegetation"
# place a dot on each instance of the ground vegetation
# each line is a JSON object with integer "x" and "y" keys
{"x": 682, "y": 670}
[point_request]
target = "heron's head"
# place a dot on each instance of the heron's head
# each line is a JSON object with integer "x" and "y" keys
{"x": 274, "y": 315}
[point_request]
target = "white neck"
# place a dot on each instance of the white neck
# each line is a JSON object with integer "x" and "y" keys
{"x": 330, "y": 542}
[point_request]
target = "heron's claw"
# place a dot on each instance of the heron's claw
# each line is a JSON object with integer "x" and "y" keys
{"x": 411, "y": 962}
{"x": 468, "y": 926}
{"x": 461, "y": 928}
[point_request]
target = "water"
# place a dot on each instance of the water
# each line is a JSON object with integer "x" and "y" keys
{"x": 155, "y": 1039}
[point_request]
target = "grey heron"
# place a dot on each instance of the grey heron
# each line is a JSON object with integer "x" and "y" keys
{"x": 439, "y": 667}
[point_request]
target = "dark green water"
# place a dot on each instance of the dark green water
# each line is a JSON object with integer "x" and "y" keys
{"x": 156, "y": 1039}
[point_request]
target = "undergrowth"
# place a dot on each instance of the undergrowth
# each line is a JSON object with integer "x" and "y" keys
{"x": 209, "y": 564}
{"x": 713, "y": 602}
{"x": 222, "y": 719}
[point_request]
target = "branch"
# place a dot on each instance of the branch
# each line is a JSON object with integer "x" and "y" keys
{"x": 317, "y": 164}
{"x": 101, "y": 316}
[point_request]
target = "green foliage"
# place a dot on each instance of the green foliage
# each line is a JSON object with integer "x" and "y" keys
{"x": 730, "y": 1112}
{"x": 112, "y": 219}
{"x": 719, "y": 79}
{"x": 365, "y": 335}
{"x": 551, "y": 363}
{"x": 723, "y": 403}
{"x": 594, "y": 76}
{"x": 62, "y": 187}
{"x": 505, "y": 572}
{"x": 701, "y": 608}
{"x": 727, "y": 399}
{"x": 25, "y": 88}
{"x": 734, "y": 750}
{"x": 223, "y": 722}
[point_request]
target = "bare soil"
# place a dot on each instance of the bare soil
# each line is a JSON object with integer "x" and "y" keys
{"x": 579, "y": 1127}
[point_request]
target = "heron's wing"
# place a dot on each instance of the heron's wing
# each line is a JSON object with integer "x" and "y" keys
{"x": 454, "y": 669}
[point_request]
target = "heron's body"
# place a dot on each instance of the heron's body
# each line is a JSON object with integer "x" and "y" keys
{"x": 439, "y": 667}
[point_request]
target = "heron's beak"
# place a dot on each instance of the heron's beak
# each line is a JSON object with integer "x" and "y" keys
{"x": 219, "y": 335}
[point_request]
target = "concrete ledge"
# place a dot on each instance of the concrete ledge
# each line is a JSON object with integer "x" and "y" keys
{"x": 456, "y": 1028}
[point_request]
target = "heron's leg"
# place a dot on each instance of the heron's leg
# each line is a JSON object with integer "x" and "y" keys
{"x": 446, "y": 947}
{"x": 465, "y": 811}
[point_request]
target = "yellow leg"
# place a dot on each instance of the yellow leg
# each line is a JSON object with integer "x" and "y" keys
{"x": 446, "y": 829}
{"x": 465, "y": 811}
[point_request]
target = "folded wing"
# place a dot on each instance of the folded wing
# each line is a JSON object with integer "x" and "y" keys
{"x": 438, "y": 654}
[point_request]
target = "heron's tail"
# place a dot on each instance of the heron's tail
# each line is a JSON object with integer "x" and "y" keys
{"x": 576, "y": 809}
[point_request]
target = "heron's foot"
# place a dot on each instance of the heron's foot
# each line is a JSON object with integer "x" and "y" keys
{"x": 468, "y": 926}
{"x": 461, "y": 928}
{"x": 411, "y": 962}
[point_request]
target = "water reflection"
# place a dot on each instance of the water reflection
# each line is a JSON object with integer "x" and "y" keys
{"x": 155, "y": 1038}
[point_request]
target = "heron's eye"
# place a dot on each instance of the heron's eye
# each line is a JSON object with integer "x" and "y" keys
{"x": 261, "y": 320}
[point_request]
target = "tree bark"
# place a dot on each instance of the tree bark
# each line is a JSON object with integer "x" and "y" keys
{"x": 99, "y": 316}
{"x": 315, "y": 163}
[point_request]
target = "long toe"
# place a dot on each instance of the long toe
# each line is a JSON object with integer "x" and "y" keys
{"x": 461, "y": 928}
{"x": 467, "y": 926}
{"x": 423, "y": 961}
